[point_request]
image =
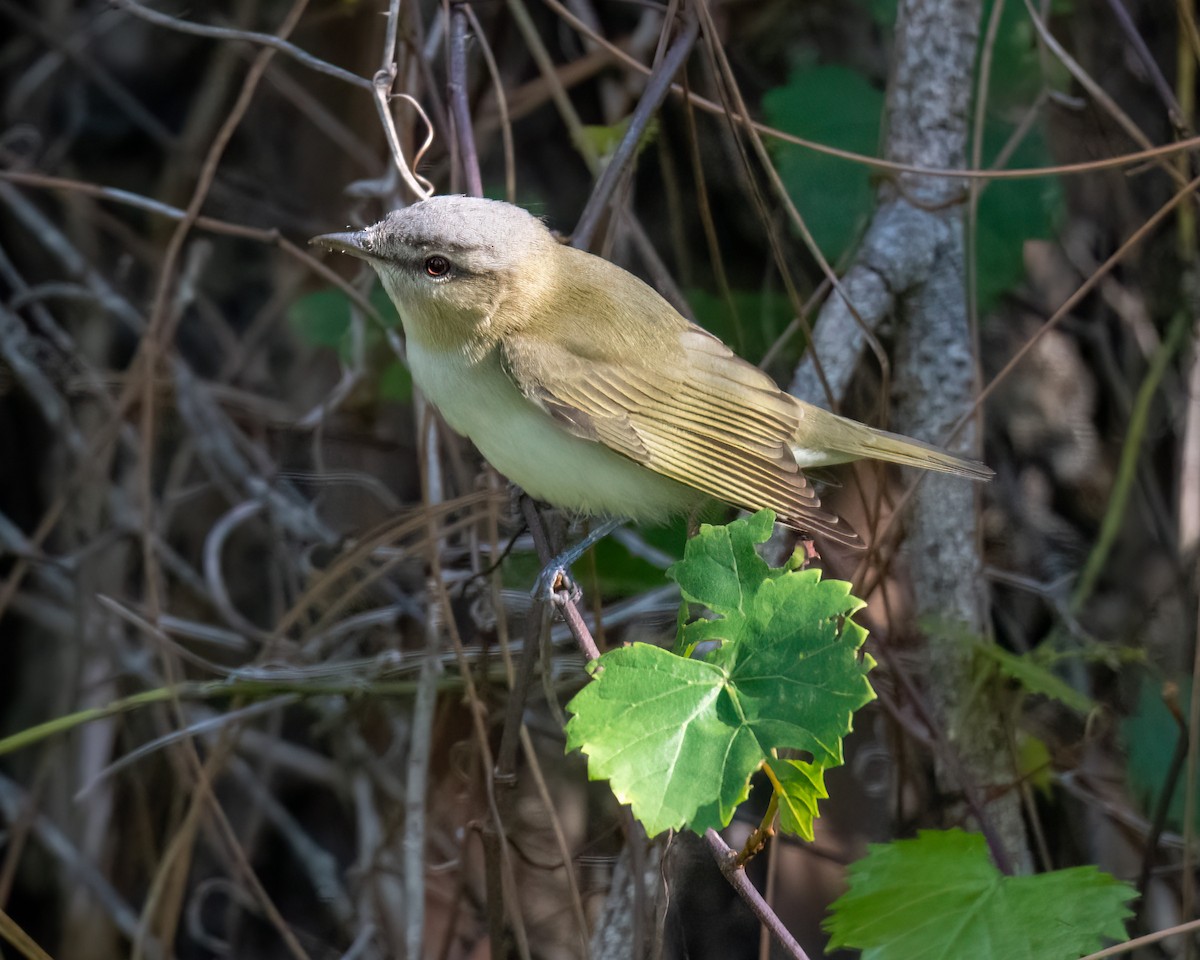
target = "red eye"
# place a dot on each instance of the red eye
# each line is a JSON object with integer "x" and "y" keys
{"x": 437, "y": 266}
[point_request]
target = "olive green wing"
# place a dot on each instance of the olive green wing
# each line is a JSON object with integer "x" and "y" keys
{"x": 700, "y": 416}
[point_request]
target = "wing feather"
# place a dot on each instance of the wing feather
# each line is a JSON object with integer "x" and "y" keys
{"x": 713, "y": 421}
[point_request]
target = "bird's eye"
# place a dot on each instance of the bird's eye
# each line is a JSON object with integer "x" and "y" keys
{"x": 437, "y": 266}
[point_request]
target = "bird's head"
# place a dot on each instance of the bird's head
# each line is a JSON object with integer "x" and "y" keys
{"x": 460, "y": 270}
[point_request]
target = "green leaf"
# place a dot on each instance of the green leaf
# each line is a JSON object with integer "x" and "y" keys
{"x": 1012, "y": 212}
{"x": 321, "y": 318}
{"x": 395, "y": 383}
{"x": 379, "y": 299}
{"x": 801, "y": 785}
{"x": 883, "y": 12}
{"x": 1151, "y": 734}
{"x": 1035, "y": 677}
{"x": 939, "y": 897}
{"x": 618, "y": 572}
{"x": 606, "y": 139}
{"x": 837, "y": 107}
{"x": 1019, "y": 73}
{"x": 721, "y": 567}
{"x": 1034, "y": 764}
{"x": 679, "y": 737}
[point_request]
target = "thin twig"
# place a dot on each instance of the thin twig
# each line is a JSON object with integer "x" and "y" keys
{"x": 416, "y": 786}
{"x": 273, "y": 41}
{"x": 560, "y": 838}
{"x": 1130, "y": 945}
{"x": 1157, "y": 80}
{"x": 727, "y": 861}
{"x": 656, "y": 91}
{"x": 504, "y": 120}
{"x": 890, "y": 530}
{"x": 1097, "y": 93}
{"x": 876, "y": 163}
{"x": 464, "y": 134}
{"x": 13, "y": 802}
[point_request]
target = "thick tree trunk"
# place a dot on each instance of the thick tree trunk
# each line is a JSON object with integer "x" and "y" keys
{"x": 912, "y": 265}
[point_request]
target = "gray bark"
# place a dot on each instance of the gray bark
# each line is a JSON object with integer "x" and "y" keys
{"x": 630, "y": 909}
{"x": 912, "y": 265}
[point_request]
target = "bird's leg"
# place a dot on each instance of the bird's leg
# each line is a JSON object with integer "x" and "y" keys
{"x": 559, "y": 567}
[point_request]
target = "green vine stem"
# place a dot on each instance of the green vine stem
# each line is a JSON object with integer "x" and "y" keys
{"x": 208, "y": 690}
{"x": 1110, "y": 527}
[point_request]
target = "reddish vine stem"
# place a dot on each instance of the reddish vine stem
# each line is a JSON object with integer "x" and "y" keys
{"x": 727, "y": 861}
{"x": 567, "y": 607}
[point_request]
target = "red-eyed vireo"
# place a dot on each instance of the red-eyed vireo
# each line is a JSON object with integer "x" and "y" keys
{"x": 580, "y": 383}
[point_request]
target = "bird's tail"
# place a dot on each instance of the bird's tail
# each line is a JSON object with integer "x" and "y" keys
{"x": 914, "y": 453}
{"x": 842, "y": 440}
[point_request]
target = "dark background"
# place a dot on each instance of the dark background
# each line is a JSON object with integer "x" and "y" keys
{"x": 239, "y": 493}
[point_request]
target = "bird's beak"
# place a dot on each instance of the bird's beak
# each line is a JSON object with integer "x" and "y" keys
{"x": 356, "y": 243}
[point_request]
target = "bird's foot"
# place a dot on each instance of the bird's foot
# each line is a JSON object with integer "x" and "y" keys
{"x": 555, "y": 585}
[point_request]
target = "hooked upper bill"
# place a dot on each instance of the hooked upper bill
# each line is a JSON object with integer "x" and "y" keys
{"x": 354, "y": 242}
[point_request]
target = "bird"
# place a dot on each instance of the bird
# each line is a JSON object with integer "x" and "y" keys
{"x": 585, "y": 387}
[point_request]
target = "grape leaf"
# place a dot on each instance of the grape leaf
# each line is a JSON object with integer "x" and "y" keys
{"x": 721, "y": 566}
{"x": 939, "y": 897}
{"x": 799, "y": 786}
{"x": 679, "y": 737}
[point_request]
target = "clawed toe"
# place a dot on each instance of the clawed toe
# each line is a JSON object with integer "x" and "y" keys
{"x": 555, "y": 585}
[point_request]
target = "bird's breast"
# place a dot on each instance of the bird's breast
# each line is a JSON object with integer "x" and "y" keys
{"x": 479, "y": 400}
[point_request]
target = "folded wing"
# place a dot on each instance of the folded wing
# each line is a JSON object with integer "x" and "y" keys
{"x": 713, "y": 422}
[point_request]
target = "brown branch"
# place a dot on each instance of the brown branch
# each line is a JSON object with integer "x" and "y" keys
{"x": 735, "y": 873}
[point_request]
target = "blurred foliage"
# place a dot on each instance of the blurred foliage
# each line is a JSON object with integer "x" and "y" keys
{"x": 754, "y": 323}
{"x": 1013, "y": 211}
{"x": 837, "y": 107}
{"x": 939, "y": 897}
{"x": 605, "y": 139}
{"x": 609, "y": 567}
{"x": 1034, "y": 763}
{"x": 1152, "y": 736}
{"x": 1033, "y": 672}
{"x": 324, "y": 319}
